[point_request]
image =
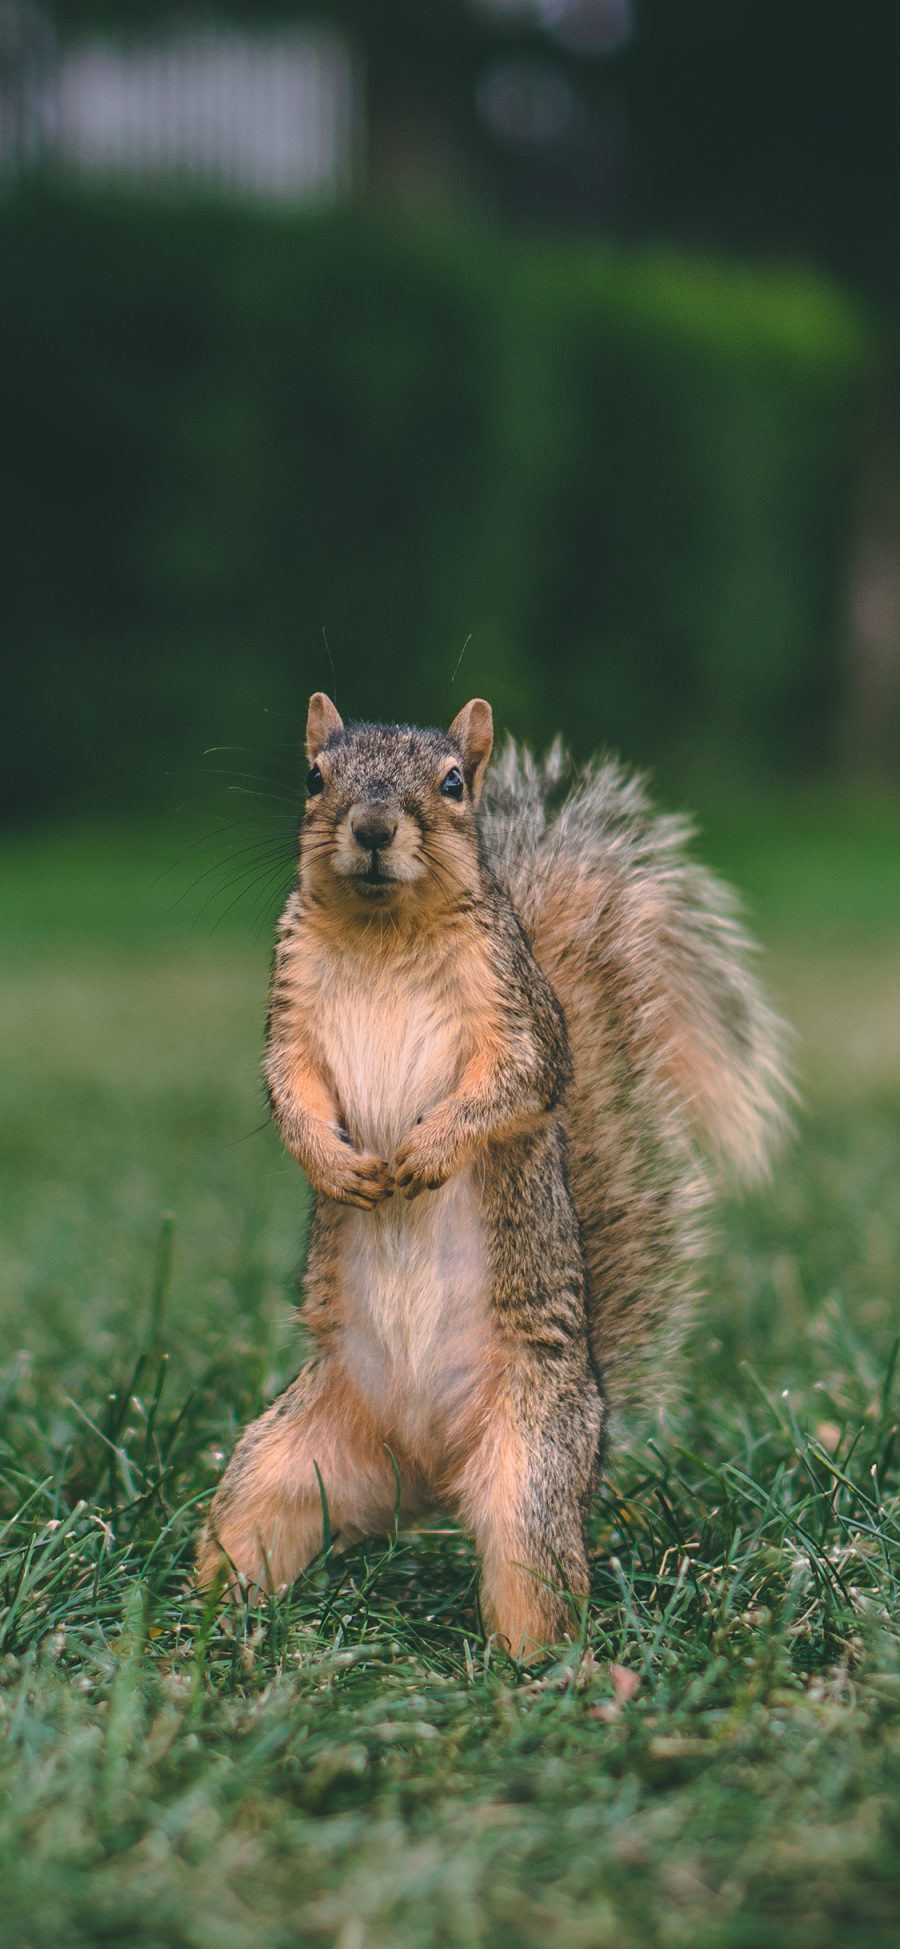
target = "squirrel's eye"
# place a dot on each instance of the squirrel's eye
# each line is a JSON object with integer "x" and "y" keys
{"x": 452, "y": 786}
{"x": 314, "y": 781}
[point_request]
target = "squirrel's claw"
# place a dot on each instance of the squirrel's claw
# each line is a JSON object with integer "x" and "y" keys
{"x": 412, "y": 1186}
{"x": 416, "y": 1167}
{"x": 362, "y": 1181}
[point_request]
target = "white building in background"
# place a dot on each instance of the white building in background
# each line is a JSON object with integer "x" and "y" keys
{"x": 274, "y": 114}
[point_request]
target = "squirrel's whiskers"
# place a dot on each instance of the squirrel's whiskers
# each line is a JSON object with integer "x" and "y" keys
{"x": 501, "y": 1041}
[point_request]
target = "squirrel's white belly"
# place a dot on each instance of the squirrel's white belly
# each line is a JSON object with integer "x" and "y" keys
{"x": 413, "y": 1274}
{"x": 391, "y": 1050}
{"x": 415, "y": 1307}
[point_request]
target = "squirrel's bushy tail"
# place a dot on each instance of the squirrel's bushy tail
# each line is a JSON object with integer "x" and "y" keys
{"x": 678, "y": 1061}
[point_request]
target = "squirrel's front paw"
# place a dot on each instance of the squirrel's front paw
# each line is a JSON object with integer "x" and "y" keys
{"x": 426, "y": 1160}
{"x": 355, "y": 1178}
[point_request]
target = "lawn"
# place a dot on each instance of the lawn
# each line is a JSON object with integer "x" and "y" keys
{"x": 353, "y": 1766}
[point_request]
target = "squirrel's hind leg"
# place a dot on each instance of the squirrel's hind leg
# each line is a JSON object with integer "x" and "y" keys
{"x": 523, "y": 1492}
{"x": 267, "y": 1517}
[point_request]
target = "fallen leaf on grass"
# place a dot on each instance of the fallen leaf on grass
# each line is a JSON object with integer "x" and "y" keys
{"x": 624, "y": 1683}
{"x": 829, "y": 1434}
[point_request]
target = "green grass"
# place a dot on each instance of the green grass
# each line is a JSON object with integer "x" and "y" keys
{"x": 354, "y": 1767}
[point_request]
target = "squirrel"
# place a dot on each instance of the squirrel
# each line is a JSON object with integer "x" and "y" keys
{"x": 508, "y": 1038}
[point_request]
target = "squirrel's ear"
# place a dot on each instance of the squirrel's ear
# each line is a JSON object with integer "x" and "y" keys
{"x": 322, "y": 719}
{"x": 473, "y": 731}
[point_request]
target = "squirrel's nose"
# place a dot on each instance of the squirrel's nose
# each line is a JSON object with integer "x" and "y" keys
{"x": 373, "y": 826}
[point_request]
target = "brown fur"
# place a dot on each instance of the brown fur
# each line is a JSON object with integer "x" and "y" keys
{"x": 508, "y": 1189}
{"x": 679, "y": 1064}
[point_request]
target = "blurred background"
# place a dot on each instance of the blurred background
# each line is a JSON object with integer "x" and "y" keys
{"x": 564, "y": 330}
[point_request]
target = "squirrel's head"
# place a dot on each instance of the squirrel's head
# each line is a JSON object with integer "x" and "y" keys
{"x": 390, "y": 811}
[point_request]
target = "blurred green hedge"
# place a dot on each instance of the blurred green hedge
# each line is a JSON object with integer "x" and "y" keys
{"x": 626, "y": 477}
